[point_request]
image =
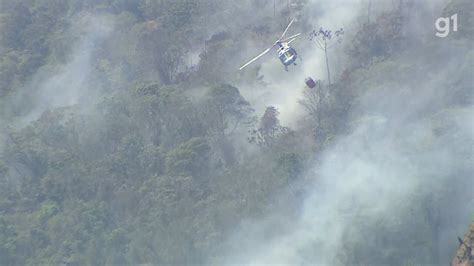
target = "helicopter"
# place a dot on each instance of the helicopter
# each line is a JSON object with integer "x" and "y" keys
{"x": 286, "y": 53}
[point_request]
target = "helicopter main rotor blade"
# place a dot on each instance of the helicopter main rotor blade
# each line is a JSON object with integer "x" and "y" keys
{"x": 290, "y": 41}
{"x": 289, "y": 25}
{"x": 255, "y": 58}
{"x": 291, "y": 38}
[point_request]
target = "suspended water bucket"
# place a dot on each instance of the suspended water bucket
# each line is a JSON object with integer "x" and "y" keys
{"x": 310, "y": 82}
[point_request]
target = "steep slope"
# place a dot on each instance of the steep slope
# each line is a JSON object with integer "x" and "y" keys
{"x": 465, "y": 253}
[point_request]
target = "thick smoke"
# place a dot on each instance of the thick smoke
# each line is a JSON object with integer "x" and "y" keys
{"x": 370, "y": 176}
{"x": 283, "y": 89}
{"x": 369, "y": 188}
{"x": 405, "y": 146}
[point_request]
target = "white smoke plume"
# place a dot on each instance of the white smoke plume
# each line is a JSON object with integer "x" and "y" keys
{"x": 370, "y": 176}
{"x": 403, "y": 149}
{"x": 284, "y": 89}
{"x": 68, "y": 84}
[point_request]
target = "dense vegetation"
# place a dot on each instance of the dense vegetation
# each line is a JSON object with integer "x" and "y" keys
{"x": 114, "y": 149}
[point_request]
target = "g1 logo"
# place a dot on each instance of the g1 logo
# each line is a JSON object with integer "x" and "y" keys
{"x": 443, "y": 25}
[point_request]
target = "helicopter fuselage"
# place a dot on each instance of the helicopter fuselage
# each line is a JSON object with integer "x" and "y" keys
{"x": 287, "y": 55}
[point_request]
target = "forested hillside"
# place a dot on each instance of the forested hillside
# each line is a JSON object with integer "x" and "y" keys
{"x": 129, "y": 136}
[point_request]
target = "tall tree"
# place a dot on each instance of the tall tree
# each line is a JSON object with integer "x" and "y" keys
{"x": 269, "y": 128}
{"x": 226, "y": 109}
{"x": 323, "y": 39}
